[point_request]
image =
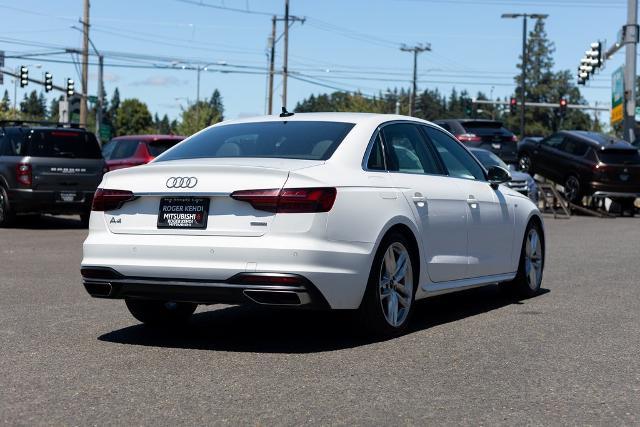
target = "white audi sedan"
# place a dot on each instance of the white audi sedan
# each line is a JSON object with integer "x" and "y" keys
{"x": 365, "y": 212}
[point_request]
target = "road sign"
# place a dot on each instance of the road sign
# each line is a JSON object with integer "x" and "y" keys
{"x": 617, "y": 96}
{"x": 92, "y": 98}
{"x": 105, "y": 132}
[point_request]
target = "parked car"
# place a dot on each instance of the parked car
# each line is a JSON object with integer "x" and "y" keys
{"x": 521, "y": 182}
{"x": 488, "y": 134}
{"x": 47, "y": 168}
{"x": 353, "y": 211}
{"x": 585, "y": 164}
{"x": 133, "y": 150}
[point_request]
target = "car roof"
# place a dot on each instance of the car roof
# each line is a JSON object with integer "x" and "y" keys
{"x": 356, "y": 118}
{"x": 148, "y": 138}
{"x": 599, "y": 140}
{"x": 466, "y": 120}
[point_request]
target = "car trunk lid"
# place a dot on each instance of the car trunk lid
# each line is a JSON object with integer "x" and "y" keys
{"x": 195, "y": 183}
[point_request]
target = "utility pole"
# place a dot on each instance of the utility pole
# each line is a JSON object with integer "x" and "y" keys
{"x": 631, "y": 36}
{"x": 85, "y": 65}
{"x": 100, "y": 94}
{"x": 523, "y": 77}
{"x": 286, "y": 54}
{"x": 272, "y": 57}
{"x": 419, "y": 48}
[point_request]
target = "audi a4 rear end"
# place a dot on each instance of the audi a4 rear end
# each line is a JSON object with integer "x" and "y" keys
{"x": 326, "y": 211}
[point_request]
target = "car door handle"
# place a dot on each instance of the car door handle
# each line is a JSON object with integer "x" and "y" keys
{"x": 473, "y": 202}
{"x": 419, "y": 200}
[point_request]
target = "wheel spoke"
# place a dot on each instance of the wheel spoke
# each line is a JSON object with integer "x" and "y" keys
{"x": 392, "y": 309}
{"x": 401, "y": 267}
{"x": 385, "y": 293}
{"x": 390, "y": 261}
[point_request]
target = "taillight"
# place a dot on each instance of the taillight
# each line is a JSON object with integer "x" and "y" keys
{"x": 108, "y": 200}
{"x": 468, "y": 137}
{"x": 24, "y": 174}
{"x": 289, "y": 200}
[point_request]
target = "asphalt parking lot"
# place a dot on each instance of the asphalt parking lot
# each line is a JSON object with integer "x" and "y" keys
{"x": 568, "y": 356}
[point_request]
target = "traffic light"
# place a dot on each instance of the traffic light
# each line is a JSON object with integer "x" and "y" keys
{"x": 563, "y": 107}
{"x": 70, "y": 89}
{"x": 592, "y": 61}
{"x": 24, "y": 76}
{"x": 513, "y": 102}
{"x": 48, "y": 82}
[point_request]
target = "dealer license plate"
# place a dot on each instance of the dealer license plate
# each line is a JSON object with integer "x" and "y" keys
{"x": 183, "y": 212}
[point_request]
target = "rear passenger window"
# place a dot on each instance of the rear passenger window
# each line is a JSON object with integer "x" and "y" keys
{"x": 376, "y": 157}
{"x": 408, "y": 151}
{"x": 458, "y": 161}
{"x": 576, "y": 148}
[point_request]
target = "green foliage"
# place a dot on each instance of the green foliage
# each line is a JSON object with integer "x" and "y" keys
{"x": 34, "y": 106}
{"x": 200, "y": 115}
{"x": 5, "y": 102}
{"x": 132, "y": 117}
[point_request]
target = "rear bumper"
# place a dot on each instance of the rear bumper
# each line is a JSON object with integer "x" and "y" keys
{"x": 181, "y": 265}
{"x": 258, "y": 288}
{"x": 600, "y": 189}
{"x": 27, "y": 200}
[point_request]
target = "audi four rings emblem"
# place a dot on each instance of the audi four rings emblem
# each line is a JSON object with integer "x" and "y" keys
{"x": 182, "y": 182}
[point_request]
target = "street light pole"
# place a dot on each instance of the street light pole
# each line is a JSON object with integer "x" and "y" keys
{"x": 285, "y": 66}
{"x": 629, "y": 118}
{"x": 523, "y": 77}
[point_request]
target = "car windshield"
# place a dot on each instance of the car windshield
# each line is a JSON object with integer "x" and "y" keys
{"x": 308, "y": 140}
{"x": 623, "y": 157}
{"x": 62, "y": 143}
{"x": 488, "y": 159}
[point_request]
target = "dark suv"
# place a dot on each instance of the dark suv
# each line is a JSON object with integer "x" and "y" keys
{"x": 47, "y": 169}
{"x": 488, "y": 134}
{"x": 585, "y": 164}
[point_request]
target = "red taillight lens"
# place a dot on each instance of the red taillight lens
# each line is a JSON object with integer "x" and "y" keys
{"x": 468, "y": 137}
{"x": 108, "y": 200}
{"x": 24, "y": 174}
{"x": 289, "y": 200}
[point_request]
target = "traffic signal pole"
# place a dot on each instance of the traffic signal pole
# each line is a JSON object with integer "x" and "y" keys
{"x": 524, "y": 75}
{"x": 629, "y": 120}
{"x": 85, "y": 65}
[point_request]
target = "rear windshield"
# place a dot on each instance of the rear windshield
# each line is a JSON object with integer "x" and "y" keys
{"x": 58, "y": 143}
{"x": 161, "y": 145}
{"x": 621, "y": 157}
{"x": 484, "y": 128}
{"x": 289, "y": 140}
{"x": 120, "y": 149}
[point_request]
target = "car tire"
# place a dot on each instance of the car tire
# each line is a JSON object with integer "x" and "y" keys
{"x": 6, "y": 214}
{"x": 528, "y": 279}
{"x": 525, "y": 164}
{"x": 388, "y": 300}
{"x": 84, "y": 219}
{"x": 572, "y": 189}
{"x": 160, "y": 313}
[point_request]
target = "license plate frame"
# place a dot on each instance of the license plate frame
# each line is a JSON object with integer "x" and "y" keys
{"x": 183, "y": 213}
{"x": 67, "y": 196}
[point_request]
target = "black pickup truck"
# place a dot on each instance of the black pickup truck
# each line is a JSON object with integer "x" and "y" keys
{"x": 47, "y": 168}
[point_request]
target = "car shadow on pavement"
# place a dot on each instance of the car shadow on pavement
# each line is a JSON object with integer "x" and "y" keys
{"x": 275, "y": 330}
{"x": 47, "y": 222}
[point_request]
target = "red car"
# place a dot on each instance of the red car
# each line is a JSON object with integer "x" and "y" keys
{"x": 134, "y": 150}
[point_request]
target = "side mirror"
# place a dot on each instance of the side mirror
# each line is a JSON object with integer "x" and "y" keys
{"x": 497, "y": 175}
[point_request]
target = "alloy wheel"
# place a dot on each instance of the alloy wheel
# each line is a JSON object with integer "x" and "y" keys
{"x": 525, "y": 164}
{"x": 572, "y": 188}
{"x": 533, "y": 260}
{"x": 395, "y": 286}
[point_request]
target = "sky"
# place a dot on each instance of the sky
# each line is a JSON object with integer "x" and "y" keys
{"x": 342, "y": 44}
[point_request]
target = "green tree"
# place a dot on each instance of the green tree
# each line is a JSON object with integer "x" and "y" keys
{"x": 54, "y": 109}
{"x": 33, "y": 106}
{"x": 545, "y": 85}
{"x": 216, "y": 103}
{"x": 132, "y": 117}
{"x": 5, "y": 102}
{"x": 197, "y": 117}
